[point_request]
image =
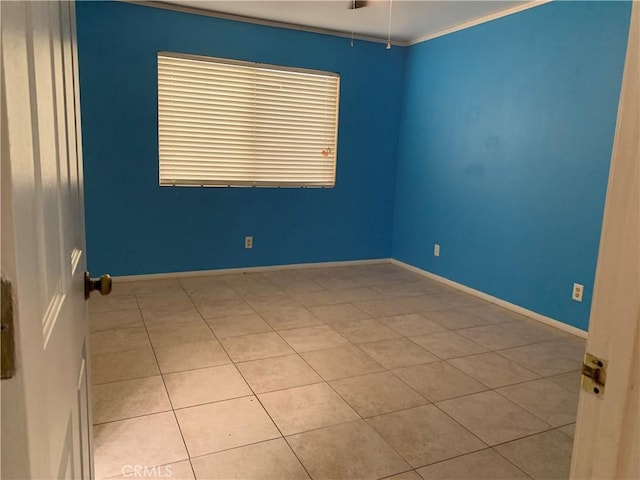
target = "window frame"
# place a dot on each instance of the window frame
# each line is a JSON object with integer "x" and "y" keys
{"x": 254, "y": 183}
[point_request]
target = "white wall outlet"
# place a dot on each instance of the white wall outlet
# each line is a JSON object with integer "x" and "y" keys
{"x": 577, "y": 292}
{"x": 248, "y": 242}
{"x": 436, "y": 250}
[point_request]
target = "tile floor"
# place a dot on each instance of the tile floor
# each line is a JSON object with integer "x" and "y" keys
{"x": 330, "y": 373}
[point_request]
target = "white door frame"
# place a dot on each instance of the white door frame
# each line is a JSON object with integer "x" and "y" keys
{"x": 606, "y": 442}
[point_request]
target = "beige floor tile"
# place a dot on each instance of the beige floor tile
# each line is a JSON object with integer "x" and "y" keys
{"x": 284, "y": 318}
{"x": 361, "y": 331}
{"x": 118, "y": 319}
{"x": 425, "y": 435}
{"x": 317, "y": 309}
{"x": 306, "y": 408}
{"x": 545, "y": 456}
{"x": 149, "y": 440}
{"x": 377, "y": 393}
{"x": 257, "y": 346}
{"x": 348, "y": 451}
{"x": 534, "y": 331}
{"x": 572, "y": 348}
{"x": 313, "y": 338}
{"x": 448, "y": 344}
{"x": 541, "y": 359}
{"x": 439, "y": 381}
{"x": 118, "y": 340}
{"x": 111, "y": 367}
{"x": 458, "y": 299}
{"x": 278, "y": 373}
{"x": 493, "y": 337}
{"x": 121, "y": 288}
{"x": 492, "y": 418}
{"x": 558, "y": 406}
{"x": 335, "y": 283}
{"x": 150, "y": 287}
{"x": 187, "y": 356}
{"x": 284, "y": 277}
{"x": 412, "y": 324}
{"x": 396, "y": 353}
{"x": 163, "y": 335}
{"x": 272, "y": 303}
{"x": 157, "y": 302}
{"x": 245, "y": 278}
{"x": 493, "y": 370}
{"x": 222, "y": 425}
{"x": 205, "y": 385}
{"x": 569, "y": 430}
{"x": 129, "y": 398}
{"x": 224, "y": 308}
{"x": 270, "y": 460}
{"x": 344, "y": 311}
{"x": 495, "y": 314}
{"x": 171, "y": 471}
{"x": 314, "y": 299}
{"x": 171, "y": 316}
{"x": 202, "y": 283}
{"x": 203, "y": 296}
{"x": 569, "y": 381}
{"x": 301, "y": 286}
{"x": 111, "y": 303}
{"x": 386, "y": 307}
{"x": 238, "y": 325}
{"x": 256, "y": 288}
{"x": 424, "y": 303}
{"x": 358, "y": 294}
{"x": 483, "y": 465}
{"x": 412, "y": 289}
{"x": 456, "y": 319}
{"x": 341, "y": 362}
{"x": 410, "y": 475}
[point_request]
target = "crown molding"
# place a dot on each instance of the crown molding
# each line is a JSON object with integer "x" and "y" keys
{"x": 260, "y": 21}
{"x": 479, "y": 21}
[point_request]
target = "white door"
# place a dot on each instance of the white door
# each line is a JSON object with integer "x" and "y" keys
{"x": 607, "y": 442}
{"x": 46, "y": 424}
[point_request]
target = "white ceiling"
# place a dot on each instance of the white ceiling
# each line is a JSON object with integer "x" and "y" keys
{"x": 411, "y": 19}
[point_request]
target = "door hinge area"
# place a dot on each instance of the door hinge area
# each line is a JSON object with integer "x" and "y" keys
{"x": 594, "y": 374}
{"x": 7, "y": 347}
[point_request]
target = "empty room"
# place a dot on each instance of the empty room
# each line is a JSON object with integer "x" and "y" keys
{"x": 326, "y": 239}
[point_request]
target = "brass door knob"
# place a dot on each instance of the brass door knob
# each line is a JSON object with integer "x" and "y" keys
{"x": 102, "y": 284}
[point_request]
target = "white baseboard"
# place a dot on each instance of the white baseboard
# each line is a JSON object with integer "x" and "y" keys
{"x": 502, "y": 303}
{"x": 227, "y": 271}
{"x": 477, "y": 293}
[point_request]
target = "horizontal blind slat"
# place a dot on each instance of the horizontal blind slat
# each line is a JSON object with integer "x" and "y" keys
{"x": 224, "y": 123}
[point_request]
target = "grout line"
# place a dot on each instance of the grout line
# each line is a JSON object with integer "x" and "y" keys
{"x": 184, "y": 442}
{"x": 133, "y": 417}
{"x": 357, "y": 346}
{"x": 259, "y": 400}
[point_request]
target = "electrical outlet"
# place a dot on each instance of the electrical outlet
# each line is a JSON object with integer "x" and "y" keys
{"x": 248, "y": 242}
{"x": 577, "y": 292}
{"x": 436, "y": 250}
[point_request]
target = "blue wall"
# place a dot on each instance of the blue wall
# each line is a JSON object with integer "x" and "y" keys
{"x": 134, "y": 226}
{"x": 505, "y": 144}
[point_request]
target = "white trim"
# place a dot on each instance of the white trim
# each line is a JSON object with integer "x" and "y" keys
{"x": 259, "y": 21}
{"x": 336, "y": 33}
{"x": 502, "y": 303}
{"x": 227, "y": 271}
{"x": 478, "y": 21}
{"x": 477, "y": 293}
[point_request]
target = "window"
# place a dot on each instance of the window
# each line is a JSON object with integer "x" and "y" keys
{"x": 229, "y": 123}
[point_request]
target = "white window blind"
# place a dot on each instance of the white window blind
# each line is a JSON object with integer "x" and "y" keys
{"x": 228, "y": 123}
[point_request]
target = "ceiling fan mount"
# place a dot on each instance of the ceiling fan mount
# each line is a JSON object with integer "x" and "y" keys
{"x": 355, "y": 4}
